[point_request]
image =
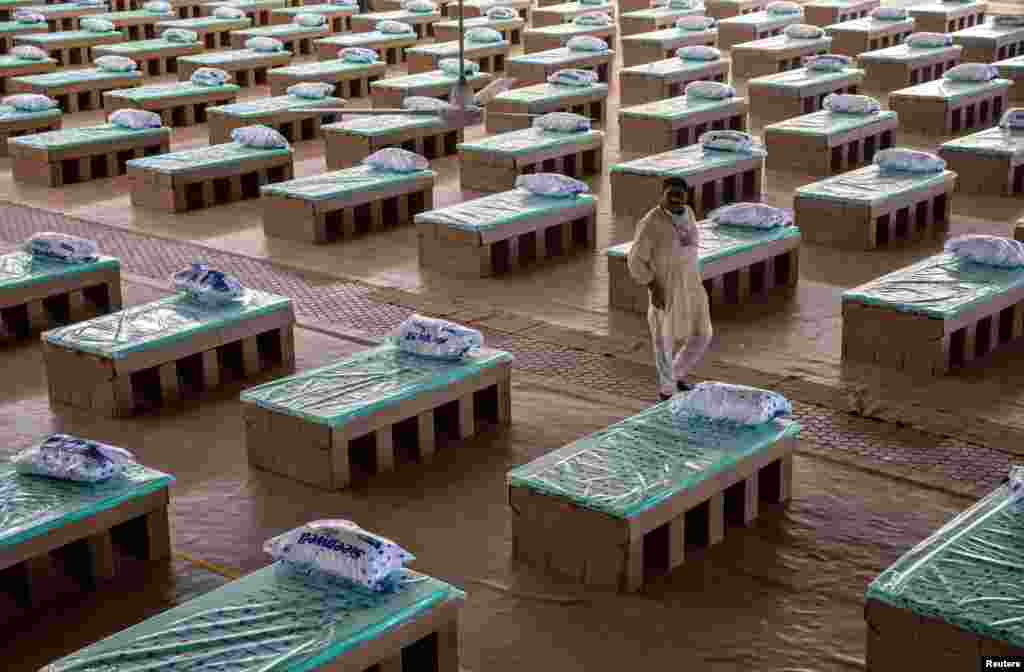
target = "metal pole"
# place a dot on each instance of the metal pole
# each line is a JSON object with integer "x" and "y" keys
{"x": 462, "y": 47}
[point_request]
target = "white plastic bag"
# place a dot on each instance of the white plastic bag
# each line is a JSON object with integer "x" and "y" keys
{"x": 389, "y": 27}
{"x": 450, "y": 66}
{"x": 552, "y": 184}
{"x": 264, "y": 45}
{"x": 180, "y": 36}
{"x": 695, "y": 23}
{"x": 828, "y": 62}
{"x": 426, "y": 104}
{"x": 889, "y": 13}
{"x": 587, "y": 43}
{"x": 115, "y": 64}
{"x": 135, "y": 119}
{"x": 849, "y": 103}
{"x": 751, "y": 216}
{"x": 972, "y": 72}
{"x": 309, "y": 20}
{"x": 698, "y": 52}
{"x": 207, "y": 286}
{"x": 988, "y": 250}
{"x": 573, "y": 77}
{"x": 158, "y": 7}
{"x": 228, "y": 13}
{"x": 210, "y": 77}
{"x": 94, "y": 25}
{"x": 596, "y": 19}
{"x": 500, "y": 13}
{"x": 783, "y": 8}
{"x": 928, "y": 40}
{"x": 396, "y": 160}
{"x": 29, "y": 52}
{"x": 62, "y": 247}
{"x": 803, "y": 31}
{"x": 28, "y": 17}
{"x": 908, "y": 160}
{"x": 437, "y": 339}
{"x": 342, "y": 550}
{"x": 1013, "y": 119}
{"x": 1007, "y": 20}
{"x": 727, "y": 141}
{"x": 30, "y": 102}
{"x": 562, "y": 122}
{"x": 262, "y": 137}
{"x": 737, "y": 404}
{"x": 358, "y": 55}
{"x": 419, "y": 6}
{"x": 69, "y": 458}
{"x": 310, "y": 90}
{"x": 483, "y": 35}
{"x": 709, "y": 90}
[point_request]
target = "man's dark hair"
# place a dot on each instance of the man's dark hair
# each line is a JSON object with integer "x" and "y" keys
{"x": 676, "y": 183}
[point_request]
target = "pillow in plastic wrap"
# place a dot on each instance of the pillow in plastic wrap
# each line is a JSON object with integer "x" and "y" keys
{"x": 593, "y": 3}
{"x": 342, "y": 550}
{"x": 309, "y": 20}
{"x": 207, "y": 286}
{"x": 552, "y": 184}
{"x": 908, "y": 160}
{"x": 426, "y": 104}
{"x": 501, "y": 13}
{"x": 587, "y": 43}
{"x": 698, "y": 52}
{"x": 1006, "y": 20}
{"x": 29, "y": 52}
{"x": 709, "y": 90}
{"x": 889, "y": 13}
{"x": 597, "y": 19}
{"x": 828, "y": 62}
{"x": 928, "y": 40}
{"x": 62, "y": 247}
{"x": 783, "y": 8}
{"x": 751, "y": 216}
{"x": 30, "y": 102}
{"x": 209, "y": 77}
{"x": 573, "y": 77}
{"x": 849, "y": 103}
{"x": 684, "y": 4}
{"x": 438, "y": 339}
{"x": 29, "y": 17}
{"x": 92, "y": 3}
{"x": 450, "y": 66}
{"x": 419, "y": 6}
{"x": 1015, "y": 486}
{"x": 358, "y": 55}
{"x": 158, "y": 7}
{"x": 972, "y": 72}
{"x": 803, "y": 31}
{"x": 483, "y": 35}
{"x": 738, "y": 404}
{"x": 135, "y": 119}
{"x": 396, "y": 160}
{"x": 264, "y": 45}
{"x": 988, "y": 250}
{"x": 310, "y": 90}
{"x": 259, "y": 136}
{"x": 94, "y": 25}
{"x": 389, "y": 27}
{"x": 1013, "y": 119}
{"x": 115, "y": 64}
{"x": 695, "y": 22}
{"x": 228, "y": 13}
{"x": 562, "y": 122}
{"x": 727, "y": 141}
{"x": 180, "y": 36}
{"x": 69, "y": 458}
{"x": 344, "y": 3}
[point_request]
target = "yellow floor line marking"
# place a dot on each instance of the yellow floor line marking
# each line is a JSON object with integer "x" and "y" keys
{"x": 232, "y": 574}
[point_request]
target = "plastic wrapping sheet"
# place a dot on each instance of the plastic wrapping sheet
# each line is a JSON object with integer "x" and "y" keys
{"x": 259, "y": 107}
{"x": 571, "y": 9}
{"x": 324, "y": 67}
{"x": 8, "y": 114}
{"x": 56, "y": 8}
{"x": 868, "y": 185}
{"x": 204, "y": 157}
{"x": 132, "y": 14}
{"x": 719, "y": 242}
{"x": 781, "y": 42}
{"x": 951, "y": 90}
{"x": 249, "y": 4}
{"x": 16, "y": 27}
{"x": 529, "y": 140}
{"x": 824, "y": 122}
{"x": 266, "y": 621}
{"x": 363, "y": 39}
{"x": 664, "y": 12}
{"x": 667, "y": 36}
{"x": 444, "y": 49}
{"x": 762, "y": 20}
{"x": 432, "y": 78}
{"x": 986, "y": 34}
{"x": 482, "y": 22}
{"x": 562, "y": 55}
{"x": 173, "y": 90}
{"x": 1011, "y": 65}
{"x": 66, "y": 77}
{"x": 366, "y": 383}
{"x": 944, "y": 8}
{"x": 202, "y": 22}
{"x": 62, "y": 36}
{"x": 995, "y": 141}
{"x": 675, "y": 108}
{"x": 494, "y": 211}
{"x": 370, "y": 126}
{"x": 901, "y": 53}
{"x": 569, "y": 29}
{"x": 86, "y": 135}
{"x": 155, "y": 325}
{"x": 215, "y": 58}
{"x": 401, "y": 15}
{"x": 801, "y": 77}
{"x": 281, "y": 30}
{"x": 543, "y": 92}
{"x": 941, "y": 286}
{"x": 144, "y": 46}
{"x": 839, "y": 4}
{"x": 341, "y": 183}
{"x": 867, "y": 24}
{"x": 31, "y": 506}
{"x": 634, "y": 465}
{"x": 967, "y": 574}
{"x": 323, "y": 10}
{"x": 669, "y": 67}
{"x": 22, "y": 269}
{"x": 7, "y": 61}
{"x": 684, "y": 161}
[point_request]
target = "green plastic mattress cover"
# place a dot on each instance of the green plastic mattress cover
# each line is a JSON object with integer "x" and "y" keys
{"x": 995, "y": 141}
{"x": 684, "y": 161}
{"x": 366, "y": 383}
{"x": 941, "y": 286}
{"x": 781, "y": 42}
{"x": 11, "y": 115}
{"x": 719, "y": 242}
{"x": 399, "y": 15}
{"x": 173, "y": 90}
{"x": 501, "y": 209}
{"x": 21, "y": 269}
{"x": 261, "y": 107}
{"x": 86, "y": 135}
{"x": 340, "y": 183}
{"x": 638, "y": 463}
{"x": 868, "y": 25}
{"x": 65, "y": 77}
{"x": 967, "y": 574}
{"x": 529, "y": 140}
{"x": 838, "y": 4}
{"x": 31, "y": 506}
{"x": 868, "y": 185}
{"x": 951, "y": 90}
{"x": 134, "y": 14}
{"x": 570, "y": 29}
{"x": 573, "y": 8}
{"x": 63, "y": 7}
{"x": 280, "y": 30}
{"x": 676, "y": 108}
{"x": 445, "y": 49}
{"x": 331, "y": 67}
{"x": 671, "y": 67}
{"x": 18, "y": 27}
{"x": 158, "y": 324}
{"x": 945, "y": 8}
{"x": 203, "y": 22}
{"x": 371, "y": 37}
{"x": 1010, "y": 65}
{"x": 902, "y": 53}
{"x": 986, "y": 34}
{"x": 667, "y": 37}
{"x": 247, "y": 4}
{"x": 65, "y": 36}
{"x": 562, "y": 55}
{"x": 213, "y": 58}
{"x": 144, "y": 46}
{"x": 538, "y": 93}
{"x": 483, "y": 22}
{"x": 205, "y": 157}
{"x": 663, "y": 13}
{"x": 374, "y": 126}
{"x": 762, "y": 19}
{"x": 8, "y": 62}
{"x": 266, "y": 621}
{"x": 325, "y": 10}
{"x": 801, "y": 77}
{"x": 824, "y": 122}
{"x": 425, "y": 79}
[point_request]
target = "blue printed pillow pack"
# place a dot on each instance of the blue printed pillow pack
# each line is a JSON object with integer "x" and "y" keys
{"x": 210, "y": 77}
{"x": 437, "y": 339}
{"x": 987, "y": 250}
{"x": 725, "y": 402}
{"x": 751, "y": 216}
{"x": 358, "y": 55}
{"x": 396, "y": 160}
{"x": 135, "y": 119}
{"x": 908, "y": 160}
{"x": 69, "y": 458}
{"x": 552, "y": 185}
{"x": 727, "y": 141}
{"x": 587, "y": 43}
{"x": 61, "y": 247}
{"x": 206, "y": 286}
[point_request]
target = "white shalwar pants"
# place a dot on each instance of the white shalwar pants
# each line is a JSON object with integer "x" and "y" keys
{"x": 675, "y": 356}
